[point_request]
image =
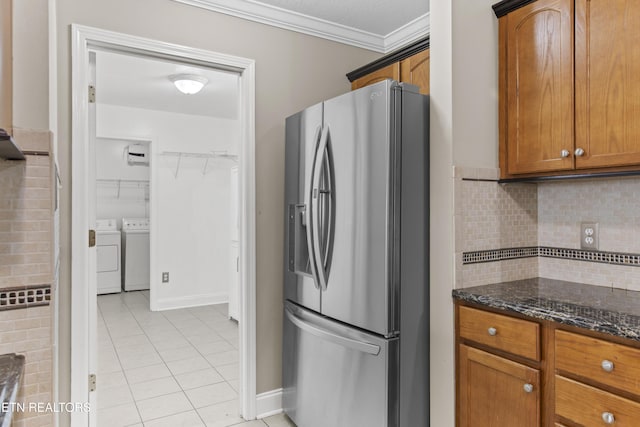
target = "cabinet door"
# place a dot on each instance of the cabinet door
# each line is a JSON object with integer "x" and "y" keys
{"x": 391, "y": 71}
{"x": 495, "y": 392}
{"x": 607, "y": 86}
{"x": 415, "y": 70}
{"x": 539, "y": 61}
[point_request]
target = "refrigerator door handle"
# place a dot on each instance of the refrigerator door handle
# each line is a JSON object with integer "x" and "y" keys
{"x": 328, "y": 216}
{"x": 320, "y": 332}
{"x": 313, "y": 266}
{"x": 316, "y": 195}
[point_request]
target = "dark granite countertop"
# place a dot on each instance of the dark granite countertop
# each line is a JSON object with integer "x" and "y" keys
{"x": 609, "y": 310}
{"x": 11, "y": 367}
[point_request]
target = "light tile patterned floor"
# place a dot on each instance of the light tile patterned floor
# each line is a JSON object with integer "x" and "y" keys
{"x": 168, "y": 368}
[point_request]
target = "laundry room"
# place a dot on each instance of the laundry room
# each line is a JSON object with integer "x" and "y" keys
{"x": 122, "y": 215}
{"x": 167, "y": 179}
{"x": 167, "y": 234}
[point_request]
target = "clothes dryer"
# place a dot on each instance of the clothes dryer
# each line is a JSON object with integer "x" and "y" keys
{"x": 108, "y": 254}
{"x": 135, "y": 254}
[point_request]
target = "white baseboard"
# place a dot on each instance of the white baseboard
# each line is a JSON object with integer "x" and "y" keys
{"x": 190, "y": 301}
{"x": 269, "y": 403}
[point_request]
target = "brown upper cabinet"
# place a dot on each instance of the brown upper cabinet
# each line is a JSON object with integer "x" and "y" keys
{"x": 415, "y": 70}
{"x": 391, "y": 71}
{"x": 409, "y": 64}
{"x": 607, "y": 55}
{"x": 557, "y": 117}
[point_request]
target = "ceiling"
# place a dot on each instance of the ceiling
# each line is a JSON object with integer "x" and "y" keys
{"x": 379, "y": 25}
{"x": 139, "y": 82}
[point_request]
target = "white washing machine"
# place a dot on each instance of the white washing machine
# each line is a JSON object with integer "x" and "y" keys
{"x": 109, "y": 264}
{"x": 136, "y": 260}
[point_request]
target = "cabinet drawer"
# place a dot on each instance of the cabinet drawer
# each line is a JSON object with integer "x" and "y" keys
{"x": 587, "y": 406}
{"x": 516, "y": 336}
{"x": 602, "y": 361}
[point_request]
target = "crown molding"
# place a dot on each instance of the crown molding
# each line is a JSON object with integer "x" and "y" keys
{"x": 294, "y": 21}
{"x": 391, "y": 58}
{"x": 414, "y": 30}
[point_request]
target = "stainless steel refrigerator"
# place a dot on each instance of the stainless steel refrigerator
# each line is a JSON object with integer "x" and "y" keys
{"x": 356, "y": 335}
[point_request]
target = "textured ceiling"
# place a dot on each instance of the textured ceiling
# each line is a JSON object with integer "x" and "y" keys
{"x": 374, "y": 16}
{"x": 144, "y": 83}
{"x": 378, "y": 25}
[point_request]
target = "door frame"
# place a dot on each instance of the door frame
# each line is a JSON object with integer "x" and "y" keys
{"x": 84, "y": 38}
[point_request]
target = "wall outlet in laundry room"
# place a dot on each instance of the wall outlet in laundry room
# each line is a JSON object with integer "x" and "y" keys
{"x": 165, "y": 277}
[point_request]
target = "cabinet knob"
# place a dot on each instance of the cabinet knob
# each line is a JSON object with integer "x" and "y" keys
{"x": 579, "y": 152}
{"x": 492, "y": 331}
{"x": 564, "y": 153}
{"x": 608, "y": 418}
{"x": 607, "y": 365}
{"x": 528, "y": 387}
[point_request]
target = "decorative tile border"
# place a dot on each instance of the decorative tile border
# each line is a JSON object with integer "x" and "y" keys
{"x": 498, "y": 254}
{"x": 24, "y": 297}
{"x": 617, "y": 258}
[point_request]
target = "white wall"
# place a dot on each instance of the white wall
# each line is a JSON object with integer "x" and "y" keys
{"x": 293, "y": 71}
{"x": 127, "y": 197}
{"x": 171, "y": 131}
{"x": 464, "y": 117}
{"x": 30, "y": 64}
{"x": 441, "y": 353}
{"x": 191, "y": 212}
{"x": 475, "y": 83}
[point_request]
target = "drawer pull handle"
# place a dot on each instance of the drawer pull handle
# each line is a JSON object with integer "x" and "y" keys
{"x": 492, "y": 331}
{"x": 608, "y": 418}
{"x": 607, "y": 365}
{"x": 528, "y": 388}
{"x": 564, "y": 153}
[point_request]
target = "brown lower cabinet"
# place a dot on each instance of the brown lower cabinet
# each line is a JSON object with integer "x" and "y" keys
{"x": 558, "y": 375}
{"x": 495, "y": 391}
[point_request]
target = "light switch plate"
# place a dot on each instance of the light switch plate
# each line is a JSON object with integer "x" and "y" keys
{"x": 589, "y": 235}
{"x": 165, "y": 277}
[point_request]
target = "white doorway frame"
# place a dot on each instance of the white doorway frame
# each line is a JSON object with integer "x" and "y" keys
{"x": 83, "y": 39}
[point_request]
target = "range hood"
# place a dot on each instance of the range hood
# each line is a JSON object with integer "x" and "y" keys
{"x": 8, "y": 148}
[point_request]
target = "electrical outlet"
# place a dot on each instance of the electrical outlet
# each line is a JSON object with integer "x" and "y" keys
{"x": 165, "y": 277}
{"x": 589, "y": 235}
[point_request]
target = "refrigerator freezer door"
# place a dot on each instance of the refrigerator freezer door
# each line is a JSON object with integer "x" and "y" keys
{"x": 359, "y": 285}
{"x": 335, "y": 375}
{"x": 303, "y": 132}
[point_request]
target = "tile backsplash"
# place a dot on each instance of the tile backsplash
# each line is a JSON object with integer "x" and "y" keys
{"x": 26, "y": 273}
{"x": 489, "y": 216}
{"x": 614, "y": 204}
{"x": 25, "y": 222}
{"x": 500, "y": 226}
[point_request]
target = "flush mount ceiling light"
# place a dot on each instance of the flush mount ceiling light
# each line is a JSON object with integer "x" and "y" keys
{"x": 188, "y": 83}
